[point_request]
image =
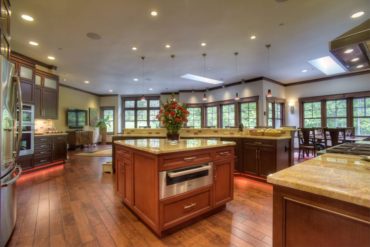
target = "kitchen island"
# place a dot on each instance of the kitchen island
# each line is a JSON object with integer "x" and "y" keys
{"x": 168, "y": 185}
{"x": 324, "y": 201}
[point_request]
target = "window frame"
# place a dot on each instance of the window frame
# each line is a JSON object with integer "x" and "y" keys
{"x": 136, "y": 108}
{"x": 349, "y": 97}
{"x": 202, "y": 108}
{"x": 353, "y": 115}
{"x": 109, "y": 108}
{"x": 274, "y": 101}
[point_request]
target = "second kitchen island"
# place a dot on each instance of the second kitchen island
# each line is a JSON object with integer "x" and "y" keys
{"x": 168, "y": 185}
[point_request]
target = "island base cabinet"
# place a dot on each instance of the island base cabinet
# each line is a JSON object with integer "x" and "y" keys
{"x": 223, "y": 182}
{"x": 304, "y": 219}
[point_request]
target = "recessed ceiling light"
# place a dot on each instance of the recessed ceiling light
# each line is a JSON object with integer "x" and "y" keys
{"x": 360, "y": 66}
{"x": 51, "y": 58}
{"x": 203, "y": 44}
{"x": 33, "y": 43}
{"x": 253, "y": 37}
{"x": 304, "y": 71}
{"x": 64, "y": 79}
{"x": 327, "y": 65}
{"x": 27, "y": 17}
{"x": 110, "y": 90}
{"x": 355, "y": 59}
{"x": 201, "y": 79}
{"x": 168, "y": 46}
{"x": 136, "y": 79}
{"x": 150, "y": 89}
{"x": 86, "y": 82}
{"x": 348, "y": 51}
{"x": 134, "y": 48}
{"x": 357, "y": 14}
{"x": 153, "y": 13}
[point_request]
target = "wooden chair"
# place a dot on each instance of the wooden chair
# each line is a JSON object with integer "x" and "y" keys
{"x": 306, "y": 143}
{"x": 336, "y": 136}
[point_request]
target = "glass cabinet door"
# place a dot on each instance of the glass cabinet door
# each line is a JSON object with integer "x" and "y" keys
{"x": 50, "y": 83}
{"x": 38, "y": 80}
{"x": 25, "y": 72}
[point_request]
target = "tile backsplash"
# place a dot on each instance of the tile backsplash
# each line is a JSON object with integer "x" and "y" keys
{"x": 43, "y": 125}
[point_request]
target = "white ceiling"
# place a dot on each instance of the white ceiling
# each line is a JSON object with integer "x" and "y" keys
{"x": 60, "y": 27}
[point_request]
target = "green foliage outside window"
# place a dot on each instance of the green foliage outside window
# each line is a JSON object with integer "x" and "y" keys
{"x": 312, "y": 115}
{"x": 248, "y": 114}
{"x": 195, "y": 117}
{"x": 228, "y": 116}
{"x": 361, "y": 116}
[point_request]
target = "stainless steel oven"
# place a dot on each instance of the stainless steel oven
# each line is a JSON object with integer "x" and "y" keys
{"x": 28, "y": 130}
{"x": 177, "y": 181}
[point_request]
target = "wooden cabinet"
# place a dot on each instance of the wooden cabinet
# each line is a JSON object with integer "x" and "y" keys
{"x": 26, "y": 162}
{"x": 250, "y": 159}
{"x": 46, "y": 95}
{"x": 50, "y": 149}
{"x": 223, "y": 182}
{"x": 25, "y": 69}
{"x": 238, "y": 153}
{"x": 125, "y": 175}
{"x": 78, "y": 138}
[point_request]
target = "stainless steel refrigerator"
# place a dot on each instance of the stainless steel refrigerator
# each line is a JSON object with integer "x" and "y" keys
{"x": 10, "y": 136}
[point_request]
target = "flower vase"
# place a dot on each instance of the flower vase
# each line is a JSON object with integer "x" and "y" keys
{"x": 173, "y": 136}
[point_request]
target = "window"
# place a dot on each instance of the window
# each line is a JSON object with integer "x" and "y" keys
{"x": 108, "y": 113}
{"x": 312, "y": 114}
{"x": 275, "y": 114}
{"x": 248, "y": 114}
{"x": 212, "y": 117}
{"x": 228, "y": 116}
{"x": 361, "y": 116}
{"x": 140, "y": 113}
{"x": 336, "y": 113}
{"x": 195, "y": 117}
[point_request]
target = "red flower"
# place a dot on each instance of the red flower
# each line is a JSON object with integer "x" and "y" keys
{"x": 173, "y": 113}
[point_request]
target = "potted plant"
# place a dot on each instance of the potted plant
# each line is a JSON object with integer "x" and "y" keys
{"x": 102, "y": 124}
{"x": 172, "y": 116}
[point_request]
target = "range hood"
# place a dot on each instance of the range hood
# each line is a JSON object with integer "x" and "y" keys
{"x": 352, "y": 48}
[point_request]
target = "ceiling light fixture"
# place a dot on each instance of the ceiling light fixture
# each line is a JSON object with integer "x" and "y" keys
{"x": 154, "y": 13}
{"x": 134, "y": 48}
{"x": 33, "y": 43}
{"x": 86, "y": 82}
{"x": 348, "y": 51}
{"x": 204, "y": 97}
{"x": 201, "y": 79}
{"x": 269, "y": 93}
{"x": 355, "y": 59}
{"x": 237, "y": 97}
{"x": 136, "y": 79}
{"x": 27, "y": 18}
{"x": 360, "y": 66}
{"x": 168, "y": 46}
{"x": 357, "y": 14}
{"x": 150, "y": 89}
{"x": 304, "y": 71}
{"x": 110, "y": 90}
{"x": 327, "y": 65}
{"x": 51, "y": 58}
{"x": 203, "y": 44}
{"x": 253, "y": 37}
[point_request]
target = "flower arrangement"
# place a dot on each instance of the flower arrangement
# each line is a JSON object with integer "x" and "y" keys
{"x": 172, "y": 116}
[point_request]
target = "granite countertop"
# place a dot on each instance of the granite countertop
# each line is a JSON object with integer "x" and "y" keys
{"x": 211, "y": 136}
{"x": 161, "y": 146}
{"x": 338, "y": 176}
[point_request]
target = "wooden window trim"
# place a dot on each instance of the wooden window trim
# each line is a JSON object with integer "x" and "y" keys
{"x": 274, "y": 101}
{"x": 136, "y": 108}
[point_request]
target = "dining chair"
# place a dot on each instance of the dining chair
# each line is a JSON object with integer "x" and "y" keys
{"x": 336, "y": 136}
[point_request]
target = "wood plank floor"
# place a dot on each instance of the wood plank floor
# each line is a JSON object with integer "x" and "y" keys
{"x": 76, "y": 205}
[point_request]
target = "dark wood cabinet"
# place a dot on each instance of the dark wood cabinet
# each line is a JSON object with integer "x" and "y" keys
{"x": 59, "y": 148}
{"x": 26, "y": 162}
{"x": 267, "y": 161}
{"x": 223, "y": 182}
{"x": 238, "y": 152}
{"x": 46, "y": 95}
{"x": 250, "y": 159}
{"x": 50, "y": 150}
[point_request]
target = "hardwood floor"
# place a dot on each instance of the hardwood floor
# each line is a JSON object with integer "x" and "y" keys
{"x": 76, "y": 205}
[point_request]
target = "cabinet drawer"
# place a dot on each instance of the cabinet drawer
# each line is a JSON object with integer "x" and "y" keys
{"x": 222, "y": 154}
{"x": 42, "y": 152}
{"x": 43, "y": 146}
{"x": 60, "y": 138}
{"x": 181, "y": 210}
{"x": 40, "y": 160}
{"x": 177, "y": 161}
{"x": 124, "y": 154}
{"x": 260, "y": 142}
{"x": 42, "y": 140}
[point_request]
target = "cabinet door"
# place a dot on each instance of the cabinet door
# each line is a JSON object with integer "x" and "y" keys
{"x": 120, "y": 177}
{"x": 238, "y": 153}
{"x": 59, "y": 148}
{"x": 50, "y": 103}
{"x": 38, "y": 102}
{"x": 250, "y": 159}
{"x": 128, "y": 194}
{"x": 26, "y": 72}
{"x": 27, "y": 89}
{"x": 223, "y": 182}
{"x": 267, "y": 161}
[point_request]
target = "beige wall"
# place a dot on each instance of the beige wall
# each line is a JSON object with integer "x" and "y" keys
{"x": 73, "y": 99}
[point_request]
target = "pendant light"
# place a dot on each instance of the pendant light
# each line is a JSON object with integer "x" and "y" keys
{"x": 268, "y": 46}
{"x": 237, "y": 97}
{"x": 236, "y": 71}
{"x": 204, "y": 97}
{"x": 142, "y": 98}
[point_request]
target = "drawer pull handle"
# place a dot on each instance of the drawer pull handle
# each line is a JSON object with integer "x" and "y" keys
{"x": 190, "y": 205}
{"x": 190, "y": 158}
{"x": 224, "y": 153}
{"x": 41, "y": 161}
{"x": 258, "y": 143}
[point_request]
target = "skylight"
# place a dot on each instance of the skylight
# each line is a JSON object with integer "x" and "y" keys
{"x": 201, "y": 79}
{"x": 327, "y": 65}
